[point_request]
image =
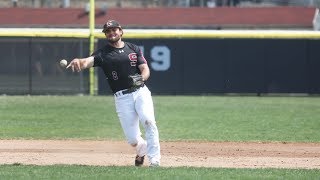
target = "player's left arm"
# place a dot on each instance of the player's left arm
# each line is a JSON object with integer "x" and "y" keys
{"x": 142, "y": 65}
{"x": 145, "y": 71}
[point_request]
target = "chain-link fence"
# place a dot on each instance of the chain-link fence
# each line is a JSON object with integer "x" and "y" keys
{"x": 31, "y": 66}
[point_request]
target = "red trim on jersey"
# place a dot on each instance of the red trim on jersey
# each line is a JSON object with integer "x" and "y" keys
{"x": 144, "y": 59}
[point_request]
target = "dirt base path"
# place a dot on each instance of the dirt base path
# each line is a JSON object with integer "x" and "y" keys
{"x": 197, "y": 154}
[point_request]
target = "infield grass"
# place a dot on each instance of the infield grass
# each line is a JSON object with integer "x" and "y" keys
{"x": 184, "y": 173}
{"x": 203, "y": 118}
{"x": 209, "y": 118}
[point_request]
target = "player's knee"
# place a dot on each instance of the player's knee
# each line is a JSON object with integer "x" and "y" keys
{"x": 149, "y": 123}
{"x": 133, "y": 142}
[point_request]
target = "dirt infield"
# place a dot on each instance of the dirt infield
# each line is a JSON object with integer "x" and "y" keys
{"x": 197, "y": 154}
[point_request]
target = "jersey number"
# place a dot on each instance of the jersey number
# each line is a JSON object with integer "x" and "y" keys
{"x": 114, "y": 75}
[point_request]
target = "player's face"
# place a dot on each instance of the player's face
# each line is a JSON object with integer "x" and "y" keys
{"x": 113, "y": 34}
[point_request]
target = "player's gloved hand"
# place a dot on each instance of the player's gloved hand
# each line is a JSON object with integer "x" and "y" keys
{"x": 136, "y": 80}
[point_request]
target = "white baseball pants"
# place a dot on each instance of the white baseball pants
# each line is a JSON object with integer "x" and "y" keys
{"x": 132, "y": 108}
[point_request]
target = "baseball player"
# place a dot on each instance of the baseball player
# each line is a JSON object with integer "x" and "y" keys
{"x": 127, "y": 71}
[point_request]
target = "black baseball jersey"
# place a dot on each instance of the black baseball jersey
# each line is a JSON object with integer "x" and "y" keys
{"x": 118, "y": 63}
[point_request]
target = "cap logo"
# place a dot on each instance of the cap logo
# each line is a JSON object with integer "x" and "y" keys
{"x": 109, "y": 23}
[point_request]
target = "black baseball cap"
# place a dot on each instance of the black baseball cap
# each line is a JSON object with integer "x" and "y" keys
{"x": 111, "y": 24}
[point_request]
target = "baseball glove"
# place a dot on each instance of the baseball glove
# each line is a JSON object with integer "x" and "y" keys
{"x": 136, "y": 80}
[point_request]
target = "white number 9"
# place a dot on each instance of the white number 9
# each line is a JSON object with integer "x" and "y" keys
{"x": 161, "y": 58}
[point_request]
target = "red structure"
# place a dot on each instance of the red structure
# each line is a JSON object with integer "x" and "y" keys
{"x": 222, "y": 17}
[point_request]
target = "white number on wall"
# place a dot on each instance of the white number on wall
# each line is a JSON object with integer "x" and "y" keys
{"x": 160, "y": 57}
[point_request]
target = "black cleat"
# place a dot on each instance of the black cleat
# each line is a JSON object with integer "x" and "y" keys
{"x": 139, "y": 161}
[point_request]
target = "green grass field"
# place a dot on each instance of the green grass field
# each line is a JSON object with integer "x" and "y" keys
{"x": 128, "y": 173}
{"x": 179, "y": 118}
{"x": 208, "y": 118}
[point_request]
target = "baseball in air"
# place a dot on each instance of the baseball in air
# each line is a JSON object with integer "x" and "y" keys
{"x": 63, "y": 63}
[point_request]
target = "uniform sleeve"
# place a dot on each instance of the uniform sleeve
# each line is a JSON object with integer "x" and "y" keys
{"x": 141, "y": 59}
{"x": 97, "y": 58}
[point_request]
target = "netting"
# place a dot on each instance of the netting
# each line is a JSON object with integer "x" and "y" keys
{"x": 31, "y": 66}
